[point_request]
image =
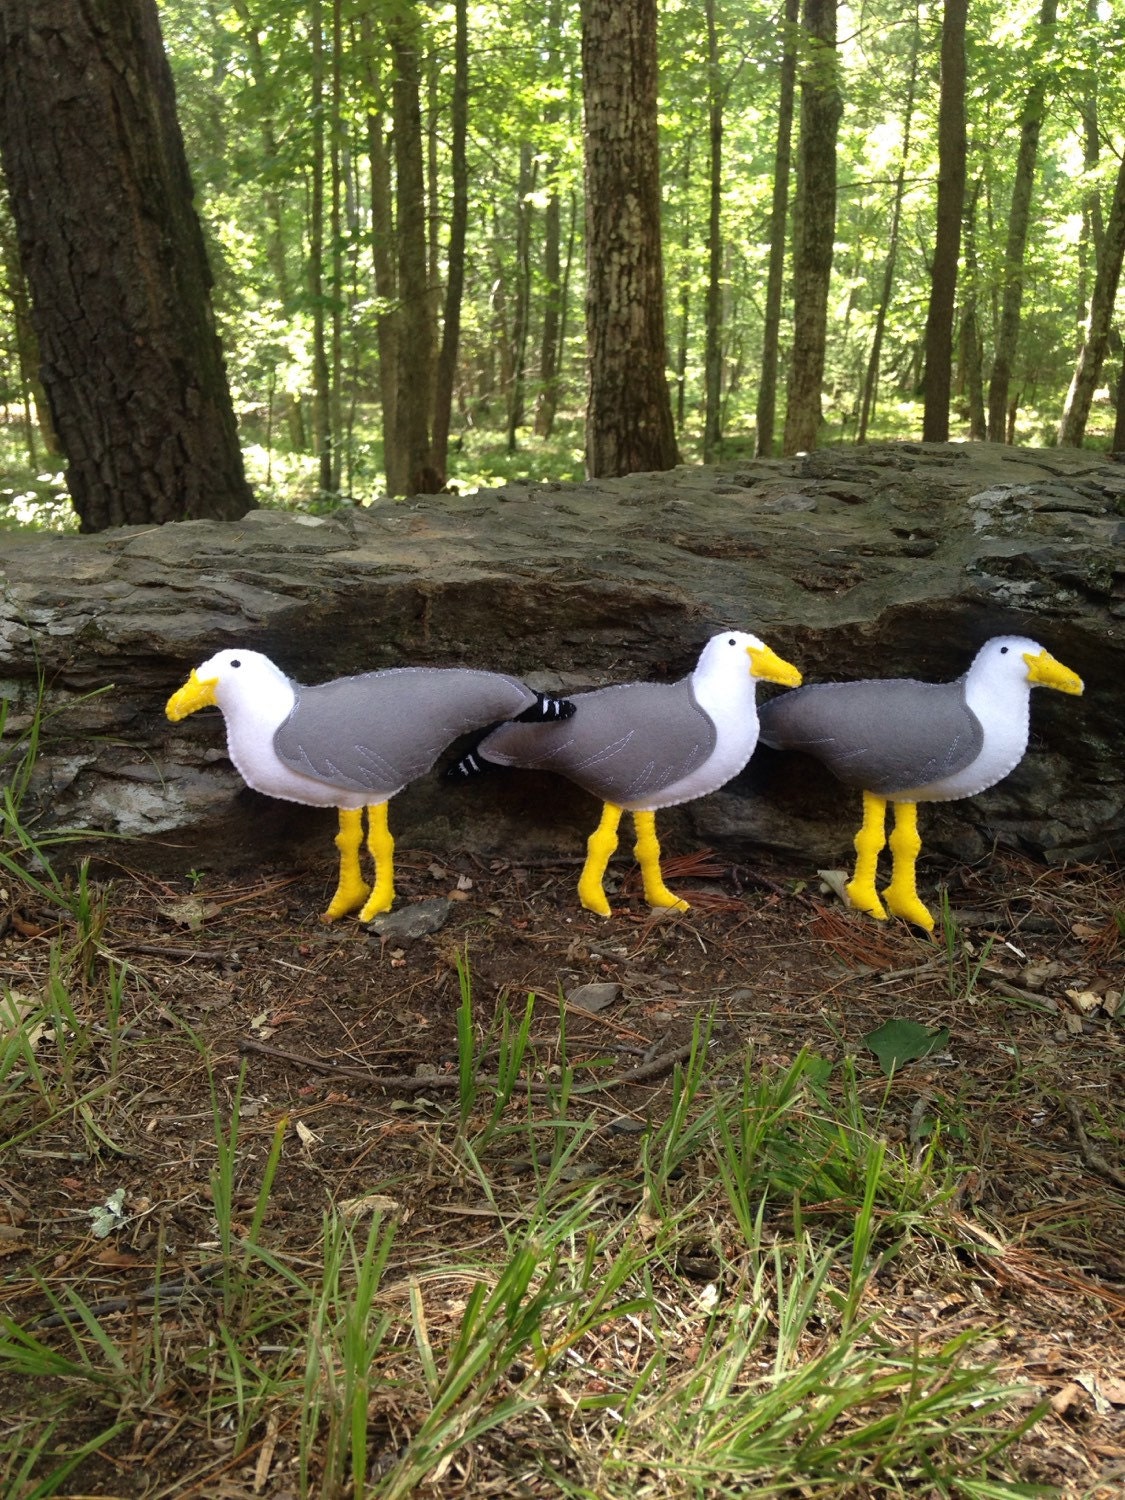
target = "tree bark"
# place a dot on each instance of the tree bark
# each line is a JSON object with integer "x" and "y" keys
{"x": 271, "y": 197}
{"x": 814, "y": 221}
{"x": 521, "y": 311}
{"x": 382, "y": 253}
{"x": 548, "y": 399}
{"x": 549, "y": 341}
{"x": 628, "y": 410}
{"x": 322, "y": 420}
{"x": 116, "y": 265}
{"x": 1118, "y": 443}
{"x": 336, "y": 257}
{"x": 27, "y": 345}
{"x": 1019, "y": 218}
{"x": 871, "y": 380}
{"x": 1076, "y": 408}
{"x": 713, "y": 341}
{"x": 458, "y": 226}
{"x": 779, "y": 218}
{"x": 415, "y": 472}
{"x": 938, "y": 377}
{"x": 971, "y": 341}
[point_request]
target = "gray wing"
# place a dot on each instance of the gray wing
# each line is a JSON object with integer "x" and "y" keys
{"x": 375, "y": 732}
{"x": 623, "y": 744}
{"x": 883, "y": 737}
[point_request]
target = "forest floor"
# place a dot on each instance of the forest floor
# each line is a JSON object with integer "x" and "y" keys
{"x": 126, "y": 1197}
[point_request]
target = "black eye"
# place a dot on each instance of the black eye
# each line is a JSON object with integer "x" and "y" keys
{"x": 1003, "y": 652}
{"x": 732, "y": 641}
{"x": 237, "y": 663}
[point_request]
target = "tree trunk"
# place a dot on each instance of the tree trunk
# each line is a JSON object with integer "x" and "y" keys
{"x": 814, "y": 220}
{"x": 458, "y": 225}
{"x": 27, "y": 345}
{"x": 1118, "y": 443}
{"x": 548, "y": 400}
{"x": 683, "y": 311}
{"x": 1019, "y": 218}
{"x": 1076, "y": 409}
{"x": 415, "y": 470}
{"x": 628, "y": 410}
{"x": 549, "y": 344}
{"x": 524, "y": 190}
{"x": 115, "y": 262}
{"x": 383, "y": 257}
{"x": 336, "y": 257}
{"x": 271, "y": 197}
{"x": 713, "y": 343}
{"x": 938, "y": 377}
{"x": 779, "y": 218}
{"x": 871, "y": 380}
{"x": 322, "y": 381}
{"x": 972, "y": 343}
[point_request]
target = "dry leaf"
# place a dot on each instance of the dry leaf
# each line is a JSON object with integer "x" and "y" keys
{"x": 835, "y": 881}
{"x": 306, "y": 1136}
{"x": 1036, "y": 974}
{"x": 187, "y": 913}
{"x": 119, "y": 1258}
{"x": 593, "y": 997}
{"x": 14, "y": 1011}
{"x": 1086, "y": 930}
{"x": 1090, "y": 1382}
{"x": 1071, "y": 1395}
{"x": 1083, "y": 1001}
{"x": 369, "y": 1203}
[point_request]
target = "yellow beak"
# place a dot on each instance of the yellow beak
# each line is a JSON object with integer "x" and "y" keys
{"x": 767, "y": 665}
{"x": 194, "y": 694}
{"x": 1044, "y": 671}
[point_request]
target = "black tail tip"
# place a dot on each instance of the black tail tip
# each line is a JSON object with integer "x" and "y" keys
{"x": 546, "y": 709}
{"x": 470, "y": 765}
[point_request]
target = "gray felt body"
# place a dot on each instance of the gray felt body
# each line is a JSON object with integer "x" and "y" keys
{"x": 375, "y": 732}
{"x": 892, "y": 736}
{"x": 624, "y": 744}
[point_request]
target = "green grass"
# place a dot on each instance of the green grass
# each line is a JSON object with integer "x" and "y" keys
{"x": 572, "y": 1342}
{"x": 775, "y": 1378}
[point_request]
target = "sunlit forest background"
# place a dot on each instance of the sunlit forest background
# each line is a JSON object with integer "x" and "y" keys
{"x": 286, "y": 110}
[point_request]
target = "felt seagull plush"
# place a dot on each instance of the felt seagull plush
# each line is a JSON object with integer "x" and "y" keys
{"x": 351, "y": 743}
{"x": 641, "y": 746}
{"x": 902, "y": 741}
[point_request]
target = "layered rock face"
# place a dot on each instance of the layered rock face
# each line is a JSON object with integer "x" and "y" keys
{"x": 889, "y": 560}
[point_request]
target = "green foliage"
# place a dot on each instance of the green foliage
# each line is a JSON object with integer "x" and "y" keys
{"x": 244, "y": 96}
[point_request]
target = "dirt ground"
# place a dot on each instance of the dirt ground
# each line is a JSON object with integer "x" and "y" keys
{"x": 1030, "y": 1090}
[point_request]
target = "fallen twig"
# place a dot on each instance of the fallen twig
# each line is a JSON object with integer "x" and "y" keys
{"x": 164, "y": 1291}
{"x": 1093, "y": 1159}
{"x": 412, "y": 1083}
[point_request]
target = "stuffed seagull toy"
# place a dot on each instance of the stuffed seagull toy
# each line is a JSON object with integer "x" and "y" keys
{"x": 351, "y": 743}
{"x": 641, "y": 746}
{"x": 902, "y": 741}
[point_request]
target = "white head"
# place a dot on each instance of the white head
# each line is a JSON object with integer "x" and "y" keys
{"x": 233, "y": 680}
{"x": 733, "y": 655}
{"x": 1016, "y": 663}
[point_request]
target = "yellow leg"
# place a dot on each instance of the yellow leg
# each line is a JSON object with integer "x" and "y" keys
{"x": 647, "y": 850}
{"x": 351, "y": 889}
{"x": 901, "y": 895}
{"x": 382, "y": 847}
{"x": 869, "y": 842}
{"x": 599, "y": 848}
